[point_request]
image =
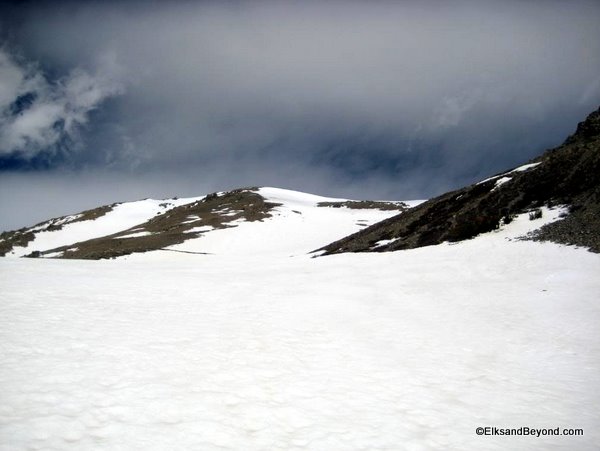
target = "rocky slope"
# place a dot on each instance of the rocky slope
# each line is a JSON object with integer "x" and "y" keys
{"x": 567, "y": 175}
{"x": 150, "y": 225}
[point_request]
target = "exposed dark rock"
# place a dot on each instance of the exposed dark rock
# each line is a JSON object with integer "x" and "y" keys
{"x": 569, "y": 175}
{"x": 580, "y": 228}
{"x": 8, "y": 240}
{"x": 366, "y": 204}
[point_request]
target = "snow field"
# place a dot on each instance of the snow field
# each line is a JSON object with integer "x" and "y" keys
{"x": 397, "y": 351}
{"x": 251, "y": 349}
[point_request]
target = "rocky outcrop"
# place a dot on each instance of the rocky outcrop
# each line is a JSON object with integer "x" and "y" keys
{"x": 568, "y": 175}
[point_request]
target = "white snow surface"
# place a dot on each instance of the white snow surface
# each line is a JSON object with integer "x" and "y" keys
{"x": 523, "y": 168}
{"x": 133, "y": 235}
{"x": 200, "y": 229}
{"x": 501, "y": 181}
{"x": 122, "y": 217}
{"x": 408, "y": 350}
{"x": 297, "y": 226}
{"x": 382, "y": 243}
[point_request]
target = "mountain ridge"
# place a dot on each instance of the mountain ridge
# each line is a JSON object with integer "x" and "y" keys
{"x": 122, "y": 229}
{"x": 565, "y": 175}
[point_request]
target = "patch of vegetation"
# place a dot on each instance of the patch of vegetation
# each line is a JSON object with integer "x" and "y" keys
{"x": 535, "y": 214}
{"x": 507, "y": 219}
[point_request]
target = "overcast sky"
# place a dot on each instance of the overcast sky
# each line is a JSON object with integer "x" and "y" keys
{"x": 111, "y": 101}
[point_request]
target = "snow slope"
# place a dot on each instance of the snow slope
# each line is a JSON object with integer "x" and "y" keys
{"x": 121, "y": 217}
{"x": 409, "y": 350}
{"x": 298, "y": 226}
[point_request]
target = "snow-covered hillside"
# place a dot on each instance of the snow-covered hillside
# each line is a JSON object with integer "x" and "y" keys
{"x": 298, "y": 226}
{"x": 74, "y": 228}
{"x": 257, "y": 220}
{"x": 409, "y": 350}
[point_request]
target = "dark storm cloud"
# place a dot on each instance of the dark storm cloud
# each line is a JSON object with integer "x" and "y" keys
{"x": 379, "y": 99}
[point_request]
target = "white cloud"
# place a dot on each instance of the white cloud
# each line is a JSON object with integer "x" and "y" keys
{"x": 15, "y": 79}
{"x": 32, "y": 130}
{"x": 57, "y": 109}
